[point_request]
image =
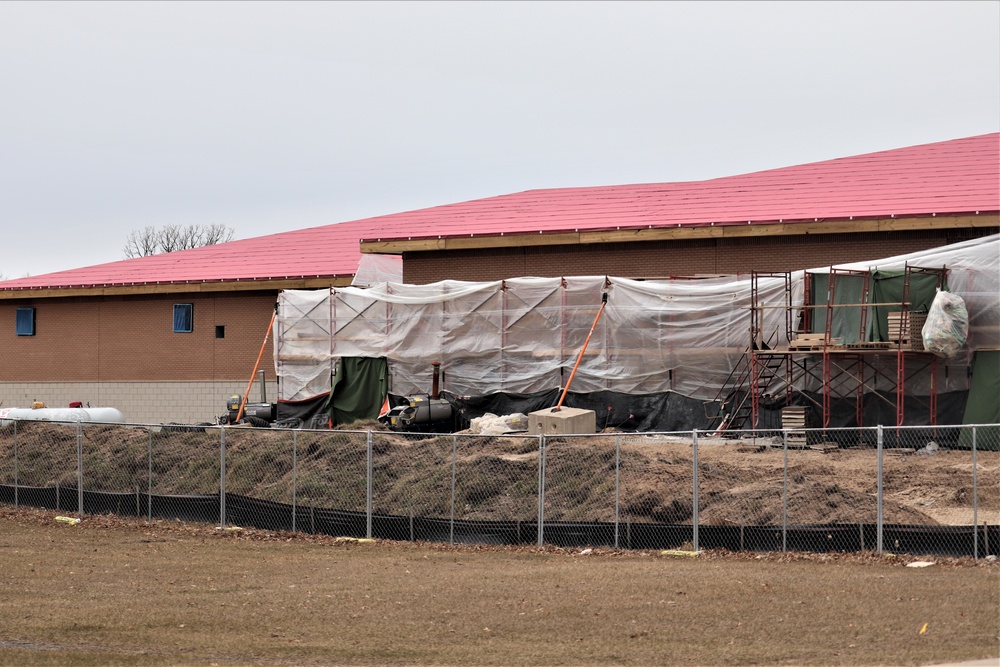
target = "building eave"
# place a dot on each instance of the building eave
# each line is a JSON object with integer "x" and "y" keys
{"x": 192, "y": 287}
{"x": 976, "y": 219}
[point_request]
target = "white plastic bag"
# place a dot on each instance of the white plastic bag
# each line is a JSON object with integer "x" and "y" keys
{"x": 947, "y": 325}
{"x": 491, "y": 424}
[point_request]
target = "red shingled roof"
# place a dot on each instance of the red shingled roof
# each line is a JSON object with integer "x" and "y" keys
{"x": 950, "y": 177}
{"x": 329, "y": 251}
{"x": 959, "y": 176}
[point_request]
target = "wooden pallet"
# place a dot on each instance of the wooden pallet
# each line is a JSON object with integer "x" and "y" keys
{"x": 905, "y": 329}
{"x": 794, "y": 421}
{"x": 793, "y": 417}
{"x": 811, "y": 342}
{"x": 825, "y": 447}
{"x": 796, "y": 438}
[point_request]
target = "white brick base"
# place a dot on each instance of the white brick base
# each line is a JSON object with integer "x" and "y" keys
{"x": 140, "y": 402}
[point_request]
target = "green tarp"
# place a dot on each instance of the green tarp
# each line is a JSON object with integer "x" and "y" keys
{"x": 983, "y": 406}
{"x": 884, "y": 287}
{"x": 360, "y": 387}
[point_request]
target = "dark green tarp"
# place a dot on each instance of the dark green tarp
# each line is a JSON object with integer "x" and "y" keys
{"x": 846, "y": 319}
{"x": 887, "y": 287}
{"x": 884, "y": 287}
{"x": 359, "y": 389}
{"x": 983, "y": 406}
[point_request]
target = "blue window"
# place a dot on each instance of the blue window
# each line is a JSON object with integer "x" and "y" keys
{"x": 24, "y": 323}
{"x": 183, "y": 317}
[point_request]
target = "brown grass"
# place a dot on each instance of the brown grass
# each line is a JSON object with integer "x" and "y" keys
{"x": 114, "y": 592}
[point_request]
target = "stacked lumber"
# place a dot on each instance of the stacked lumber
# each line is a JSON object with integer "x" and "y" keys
{"x": 811, "y": 342}
{"x": 905, "y": 329}
{"x": 793, "y": 423}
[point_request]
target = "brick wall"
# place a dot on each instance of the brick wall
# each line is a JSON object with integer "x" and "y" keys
{"x": 131, "y": 339}
{"x": 661, "y": 259}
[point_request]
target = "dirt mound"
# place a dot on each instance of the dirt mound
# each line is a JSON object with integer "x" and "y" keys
{"x": 641, "y": 478}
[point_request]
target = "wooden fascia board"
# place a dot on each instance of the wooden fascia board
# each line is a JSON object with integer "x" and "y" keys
{"x": 176, "y": 288}
{"x": 683, "y": 233}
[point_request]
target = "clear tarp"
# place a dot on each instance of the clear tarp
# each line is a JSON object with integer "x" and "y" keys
{"x": 524, "y": 335}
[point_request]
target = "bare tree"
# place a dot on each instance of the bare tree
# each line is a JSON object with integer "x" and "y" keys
{"x": 142, "y": 243}
{"x": 217, "y": 233}
{"x": 153, "y": 241}
{"x": 172, "y": 238}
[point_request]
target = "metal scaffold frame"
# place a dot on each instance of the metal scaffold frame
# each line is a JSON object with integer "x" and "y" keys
{"x": 851, "y": 370}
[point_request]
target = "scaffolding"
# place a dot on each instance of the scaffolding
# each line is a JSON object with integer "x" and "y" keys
{"x": 843, "y": 369}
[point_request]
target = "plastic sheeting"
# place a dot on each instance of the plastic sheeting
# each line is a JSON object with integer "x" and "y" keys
{"x": 375, "y": 269}
{"x": 523, "y": 335}
{"x": 947, "y": 325}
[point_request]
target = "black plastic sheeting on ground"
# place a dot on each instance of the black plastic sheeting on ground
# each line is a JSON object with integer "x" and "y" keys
{"x": 267, "y": 515}
{"x": 671, "y": 412}
{"x": 663, "y": 412}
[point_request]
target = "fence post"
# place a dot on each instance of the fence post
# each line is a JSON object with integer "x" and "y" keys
{"x": 149, "y": 478}
{"x": 368, "y": 491}
{"x": 618, "y": 464}
{"x": 975, "y": 501}
{"x": 79, "y": 468}
{"x": 878, "y": 501}
{"x": 222, "y": 478}
{"x": 454, "y": 464}
{"x": 784, "y": 494}
{"x": 16, "y": 481}
{"x": 694, "y": 485}
{"x": 295, "y": 476}
{"x": 541, "y": 490}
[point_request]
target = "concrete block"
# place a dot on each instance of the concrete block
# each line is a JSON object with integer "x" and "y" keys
{"x": 567, "y": 421}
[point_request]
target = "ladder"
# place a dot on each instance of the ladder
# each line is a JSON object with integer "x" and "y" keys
{"x": 754, "y": 373}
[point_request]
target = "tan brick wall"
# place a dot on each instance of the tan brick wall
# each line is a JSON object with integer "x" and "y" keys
{"x": 129, "y": 339}
{"x": 140, "y": 402}
{"x": 676, "y": 258}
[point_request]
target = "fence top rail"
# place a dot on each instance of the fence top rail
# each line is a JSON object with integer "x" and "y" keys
{"x": 703, "y": 434}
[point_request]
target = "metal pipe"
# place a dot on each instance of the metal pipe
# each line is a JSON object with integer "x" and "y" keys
{"x": 975, "y": 502}
{"x": 694, "y": 484}
{"x": 435, "y": 384}
{"x": 368, "y": 489}
{"x": 149, "y": 478}
{"x": 618, "y": 475}
{"x": 784, "y": 493}
{"x": 878, "y": 501}
{"x": 79, "y": 468}
{"x": 295, "y": 477}
{"x": 222, "y": 478}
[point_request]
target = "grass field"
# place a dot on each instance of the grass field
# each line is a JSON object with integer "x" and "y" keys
{"x": 116, "y": 592}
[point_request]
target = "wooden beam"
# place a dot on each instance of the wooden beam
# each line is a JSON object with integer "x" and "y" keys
{"x": 397, "y": 246}
{"x": 176, "y": 288}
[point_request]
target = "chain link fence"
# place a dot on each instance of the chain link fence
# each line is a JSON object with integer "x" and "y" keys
{"x": 918, "y": 490}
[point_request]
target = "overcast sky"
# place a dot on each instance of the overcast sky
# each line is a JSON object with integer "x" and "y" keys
{"x": 270, "y": 117}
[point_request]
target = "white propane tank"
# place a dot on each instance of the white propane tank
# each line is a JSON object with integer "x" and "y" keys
{"x": 102, "y": 415}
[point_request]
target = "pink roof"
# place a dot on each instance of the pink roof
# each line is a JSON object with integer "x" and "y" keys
{"x": 950, "y": 177}
{"x": 959, "y": 176}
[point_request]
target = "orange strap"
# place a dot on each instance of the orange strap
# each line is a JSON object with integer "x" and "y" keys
{"x": 604, "y": 302}
{"x": 243, "y": 403}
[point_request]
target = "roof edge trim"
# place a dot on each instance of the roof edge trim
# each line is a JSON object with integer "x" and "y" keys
{"x": 681, "y": 232}
{"x": 138, "y": 289}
